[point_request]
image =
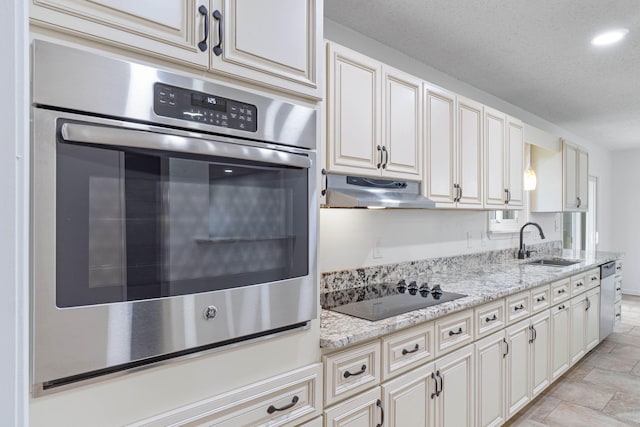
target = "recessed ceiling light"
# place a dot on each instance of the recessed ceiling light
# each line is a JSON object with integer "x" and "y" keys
{"x": 609, "y": 37}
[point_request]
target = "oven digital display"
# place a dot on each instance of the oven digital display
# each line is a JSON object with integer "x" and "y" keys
{"x": 209, "y": 102}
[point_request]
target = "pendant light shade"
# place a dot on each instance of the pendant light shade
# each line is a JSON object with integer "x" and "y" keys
{"x": 530, "y": 179}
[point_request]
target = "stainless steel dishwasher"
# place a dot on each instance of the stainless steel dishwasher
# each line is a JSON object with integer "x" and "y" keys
{"x": 607, "y": 298}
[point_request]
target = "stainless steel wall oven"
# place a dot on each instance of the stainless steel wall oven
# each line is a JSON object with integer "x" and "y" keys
{"x": 169, "y": 215}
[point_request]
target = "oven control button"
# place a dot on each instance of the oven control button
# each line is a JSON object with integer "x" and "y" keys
{"x": 210, "y": 312}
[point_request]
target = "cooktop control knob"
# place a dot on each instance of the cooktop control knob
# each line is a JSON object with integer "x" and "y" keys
{"x": 413, "y": 288}
{"x": 424, "y": 290}
{"x": 436, "y": 292}
{"x": 401, "y": 286}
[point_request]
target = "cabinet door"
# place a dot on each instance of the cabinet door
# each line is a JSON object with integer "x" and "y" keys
{"x": 570, "y": 160}
{"x": 540, "y": 353}
{"x": 402, "y": 125}
{"x": 583, "y": 180}
{"x": 469, "y": 153}
{"x": 515, "y": 162}
{"x": 518, "y": 363}
{"x": 494, "y": 156}
{"x": 276, "y": 43}
{"x": 592, "y": 334}
{"x": 455, "y": 405}
{"x": 171, "y": 32}
{"x": 577, "y": 325}
{"x": 490, "y": 379}
{"x": 440, "y": 146}
{"x": 409, "y": 400}
{"x": 364, "y": 410}
{"x": 559, "y": 340}
{"x": 354, "y": 111}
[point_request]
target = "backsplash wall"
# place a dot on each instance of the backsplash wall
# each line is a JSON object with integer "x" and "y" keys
{"x": 355, "y": 238}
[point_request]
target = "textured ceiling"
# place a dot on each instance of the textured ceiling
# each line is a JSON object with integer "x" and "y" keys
{"x": 535, "y": 54}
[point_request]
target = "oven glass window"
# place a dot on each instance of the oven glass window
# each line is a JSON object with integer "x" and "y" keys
{"x": 138, "y": 224}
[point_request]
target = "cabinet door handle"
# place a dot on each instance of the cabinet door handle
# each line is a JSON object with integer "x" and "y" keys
{"x": 618, "y": 315}
{"x": 507, "y": 345}
{"x": 455, "y": 197}
{"x": 435, "y": 379}
{"x": 542, "y": 298}
{"x": 535, "y": 332}
{"x": 441, "y": 382}
{"x": 618, "y": 289}
{"x": 385, "y": 153}
{"x": 326, "y": 182}
{"x": 509, "y": 194}
{"x": 491, "y": 319}
{"x": 405, "y": 351}
{"x": 217, "y": 49}
{"x": 506, "y": 196}
{"x": 202, "y": 45}
{"x": 451, "y": 333}
{"x": 588, "y": 305}
{"x": 518, "y": 307}
{"x": 579, "y": 202}
{"x": 271, "y": 409}
{"x": 531, "y": 330}
{"x": 348, "y": 374}
{"x": 379, "y": 405}
{"x": 379, "y": 156}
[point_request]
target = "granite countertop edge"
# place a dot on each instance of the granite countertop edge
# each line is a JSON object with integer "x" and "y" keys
{"x": 339, "y": 330}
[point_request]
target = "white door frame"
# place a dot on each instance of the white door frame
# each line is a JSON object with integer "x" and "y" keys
{"x": 14, "y": 214}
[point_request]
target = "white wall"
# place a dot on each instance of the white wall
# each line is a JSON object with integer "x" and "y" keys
{"x": 14, "y": 213}
{"x": 626, "y": 177}
{"x": 348, "y": 237}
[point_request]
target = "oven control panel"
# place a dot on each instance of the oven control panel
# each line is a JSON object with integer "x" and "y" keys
{"x": 186, "y": 104}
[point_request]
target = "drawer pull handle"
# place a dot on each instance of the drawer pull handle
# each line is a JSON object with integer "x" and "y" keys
{"x": 562, "y": 291}
{"x": 541, "y": 299}
{"x": 562, "y": 307}
{"x": 405, "y": 351}
{"x": 617, "y": 314}
{"x": 271, "y": 409}
{"x": 362, "y": 370}
{"x": 451, "y": 333}
{"x": 618, "y": 289}
{"x": 518, "y": 307}
{"x": 579, "y": 284}
{"x": 379, "y": 405}
{"x": 594, "y": 277}
{"x": 619, "y": 267}
{"x": 491, "y": 319}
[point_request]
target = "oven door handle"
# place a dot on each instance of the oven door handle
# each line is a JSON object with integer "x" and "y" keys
{"x": 125, "y": 137}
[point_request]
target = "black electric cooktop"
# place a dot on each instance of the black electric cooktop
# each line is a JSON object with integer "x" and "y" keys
{"x": 409, "y": 297}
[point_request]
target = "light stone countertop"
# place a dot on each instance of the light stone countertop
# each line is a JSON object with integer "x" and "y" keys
{"x": 480, "y": 284}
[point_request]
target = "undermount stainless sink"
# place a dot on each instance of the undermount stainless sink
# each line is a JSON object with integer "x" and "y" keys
{"x": 553, "y": 262}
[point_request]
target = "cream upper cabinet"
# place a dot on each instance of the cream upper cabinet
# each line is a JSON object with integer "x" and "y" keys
{"x": 563, "y": 179}
{"x": 515, "y": 163}
{"x": 504, "y": 160}
{"x": 454, "y": 167}
{"x": 174, "y": 31}
{"x": 276, "y": 42}
{"x": 374, "y": 115}
{"x": 401, "y": 124}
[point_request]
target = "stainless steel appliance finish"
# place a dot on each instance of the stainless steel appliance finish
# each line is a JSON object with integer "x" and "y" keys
{"x": 85, "y": 103}
{"x": 356, "y": 192}
{"x": 607, "y": 298}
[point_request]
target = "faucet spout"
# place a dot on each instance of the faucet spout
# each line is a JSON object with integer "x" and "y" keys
{"x": 521, "y": 251}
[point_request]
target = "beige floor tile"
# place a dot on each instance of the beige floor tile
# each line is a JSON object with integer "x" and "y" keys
{"x": 623, "y": 328}
{"x": 624, "y": 406}
{"x": 570, "y": 415}
{"x": 624, "y": 339}
{"x": 541, "y": 408}
{"x": 594, "y": 396}
{"x": 604, "y": 347}
{"x": 578, "y": 371}
{"x": 635, "y": 331}
{"x": 616, "y": 363}
{"x": 623, "y": 351}
{"x": 621, "y": 382}
{"x": 525, "y": 422}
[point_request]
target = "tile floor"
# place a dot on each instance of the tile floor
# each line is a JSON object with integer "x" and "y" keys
{"x": 603, "y": 389}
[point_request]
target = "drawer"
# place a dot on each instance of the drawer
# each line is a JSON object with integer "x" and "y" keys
{"x": 617, "y": 286}
{"x": 351, "y": 371}
{"x": 518, "y": 306}
{"x": 592, "y": 278}
{"x": 617, "y": 309}
{"x": 284, "y": 401}
{"x": 560, "y": 291}
{"x": 578, "y": 284}
{"x": 490, "y": 317}
{"x": 407, "y": 349}
{"x": 453, "y": 332}
{"x": 540, "y": 298}
{"x": 618, "y": 267}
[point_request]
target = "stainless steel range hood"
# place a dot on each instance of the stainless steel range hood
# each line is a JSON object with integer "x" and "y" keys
{"x": 356, "y": 192}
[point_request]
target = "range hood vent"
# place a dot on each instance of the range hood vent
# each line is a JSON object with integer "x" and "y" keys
{"x": 356, "y": 192}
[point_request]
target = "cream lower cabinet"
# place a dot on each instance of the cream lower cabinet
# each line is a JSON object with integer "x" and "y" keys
{"x": 409, "y": 400}
{"x": 592, "y": 326}
{"x": 540, "y": 352}
{"x": 455, "y": 405}
{"x": 364, "y": 410}
{"x": 518, "y": 381}
{"x": 560, "y": 339}
{"x": 577, "y": 327}
{"x": 490, "y": 379}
